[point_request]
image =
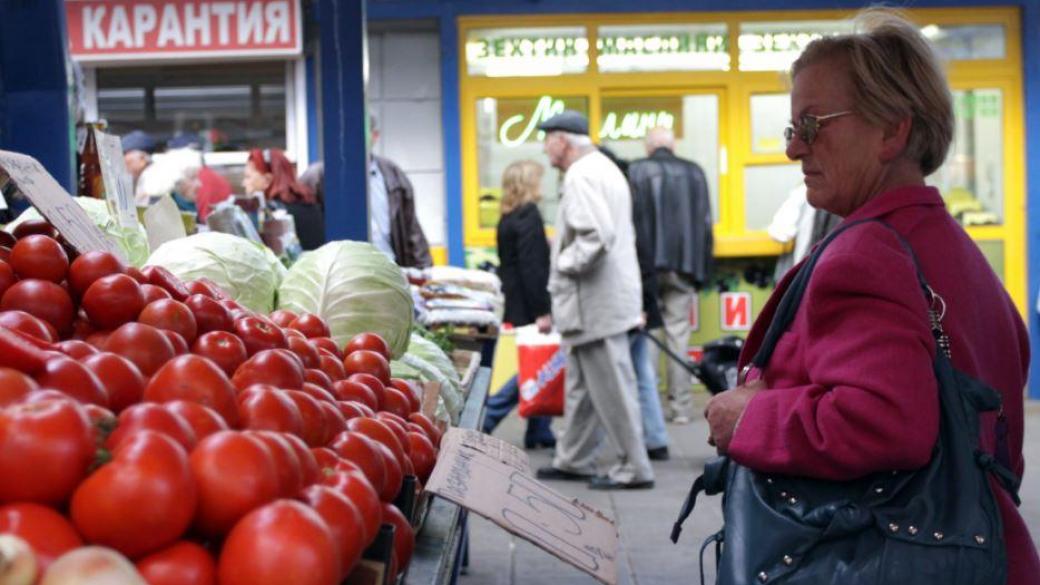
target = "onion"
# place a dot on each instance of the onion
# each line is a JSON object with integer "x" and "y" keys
{"x": 17, "y": 561}
{"x": 92, "y": 565}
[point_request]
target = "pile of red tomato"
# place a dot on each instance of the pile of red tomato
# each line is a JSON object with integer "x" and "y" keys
{"x": 205, "y": 442}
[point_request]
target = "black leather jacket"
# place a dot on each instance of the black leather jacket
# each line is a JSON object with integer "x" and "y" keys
{"x": 523, "y": 253}
{"x": 677, "y": 222}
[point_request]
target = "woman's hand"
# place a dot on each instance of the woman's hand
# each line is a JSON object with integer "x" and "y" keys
{"x": 544, "y": 324}
{"x": 724, "y": 411}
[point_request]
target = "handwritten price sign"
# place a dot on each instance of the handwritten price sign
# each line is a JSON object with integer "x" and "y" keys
{"x": 485, "y": 475}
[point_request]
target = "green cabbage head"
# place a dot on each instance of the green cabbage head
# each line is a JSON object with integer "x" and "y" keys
{"x": 355, "y": 288}
{"x": 247, "y": 271}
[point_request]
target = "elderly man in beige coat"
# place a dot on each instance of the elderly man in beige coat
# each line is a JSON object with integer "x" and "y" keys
{"x": 596, "y": 299}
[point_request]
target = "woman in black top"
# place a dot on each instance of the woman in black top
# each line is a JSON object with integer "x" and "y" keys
{"x": 523, "y": 253}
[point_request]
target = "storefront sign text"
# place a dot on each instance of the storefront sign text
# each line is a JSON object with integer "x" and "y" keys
{"x": 527, "y": 52}
{"x": 619, "y": 123}
{"x": 120, "y": 30}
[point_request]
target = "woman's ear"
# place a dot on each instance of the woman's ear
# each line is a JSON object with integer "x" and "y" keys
{"x": 895, "y": 139}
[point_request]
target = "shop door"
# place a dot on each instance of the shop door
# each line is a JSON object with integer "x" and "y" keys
{"x": 694, "y": 116}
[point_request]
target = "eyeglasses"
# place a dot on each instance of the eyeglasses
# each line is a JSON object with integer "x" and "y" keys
{"x": 808, "y": 127}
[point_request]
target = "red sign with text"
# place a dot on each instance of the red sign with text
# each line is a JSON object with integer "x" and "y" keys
{"x": 736, "y": 311}
{"x": 120, "y": 30}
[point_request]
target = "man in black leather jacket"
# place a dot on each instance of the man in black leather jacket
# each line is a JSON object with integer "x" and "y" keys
{"x": 678, "y": 227}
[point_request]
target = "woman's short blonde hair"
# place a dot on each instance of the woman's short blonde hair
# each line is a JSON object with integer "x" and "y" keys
{"x": 895, "y": 74}
{"x": 521, "y": 183}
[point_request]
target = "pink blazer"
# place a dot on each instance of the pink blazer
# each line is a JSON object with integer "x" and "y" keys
{"x": 851, "y": 389}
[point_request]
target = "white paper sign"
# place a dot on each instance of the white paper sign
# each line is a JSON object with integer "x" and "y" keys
{"x": 119, "y": 185}
{"x": 55, "y": 204}
{"x": 162, "y": 221}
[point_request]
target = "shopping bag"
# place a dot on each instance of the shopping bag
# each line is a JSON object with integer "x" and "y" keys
{"x": 540, "y": 362}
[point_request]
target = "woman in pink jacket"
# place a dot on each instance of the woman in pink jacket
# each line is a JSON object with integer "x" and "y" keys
{"x": 850, "y": 389}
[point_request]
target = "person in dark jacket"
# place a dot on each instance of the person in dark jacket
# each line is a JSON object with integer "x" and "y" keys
{"x": 678, "y": 229}
{"x": 394, "y": 228}
{"x": 523, "y": 253}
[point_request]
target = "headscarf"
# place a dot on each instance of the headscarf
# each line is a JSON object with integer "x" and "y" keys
{"x": 284, "y": 185}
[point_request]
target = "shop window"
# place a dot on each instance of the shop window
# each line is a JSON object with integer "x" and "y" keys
{"x": 774, "y": 46}
{"x": 770, "y": 114}
{"x": 527, "y": 52}
{"x": 693, "y": 118}
{"x": 967, "y": 42}
{"x": 766, "y": 187}
{"x": 232, "y": 107}
{"x": 972, "y": 178}
{"x": 507, "y": 131}
{"x": 656, "y": 47}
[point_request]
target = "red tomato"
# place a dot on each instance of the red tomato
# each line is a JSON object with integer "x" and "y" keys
{"x": 326, "y": 458}
{"x": 399, "y": 426}
{"x": 259, "y": 334}
{"x": 140, "y": 502}
{"x": 317, "y": 392}
{"x": 74, "y": 379}
{"x": 194, "y": 378}
{"x": 7, "y": 277}
{"x": 286, "y": 463}
{"x": 359, "y": 491}
{"x": 318, "y": 378}
{"x": 394, "y": 473}
{"x": 40, "y": 257}
{"x": 335, "y": 422}
{"x": 35, "y": 226}
{"x": 362, "y": 451}
{"x": 153, "y": 293}
{"x": 282, "y": 542}
{"x": 310, "y": 325}
{"x": 14, "y": 386}
{"x": 424, "y": 455}
{"x": 48, "y": 533}
{"x": 411, "y": 392}
{"x": 45, "y": 450}
{"x": 206, "y": 287}
{"x": 332, "y": 366}
{"x": 404, "y": 536}
{"x": 349, "y": 390}
{"x": 269, "y": 409}
{"x": 146, "y": 416}
{"x": 305, "y": 351}
{"x": 76, "y": 349}
{"x": 98, "y": 339}
{"x": 432, "y": 432}
{"x": 28, "y": 324}
{"x": 143, "y": 345}
{"x": 225, "y": 349}
{"x": 113, "y": 300}
{"x": 370, "y": 342}
{"x": 353, "y": 409}
{"x": 381, "y": 432}
{"x": 40, "y": 298}
{"x": 235, "y": 473}
{"x": 291, "y": 333}
{"x": 184, "y": 563}
{"x": 120, "y": 377}
{"x": 170, "y": 315}
{"x": 166, "y": 280}
{"x": 397, "y": 402}
{"x": 91, "y": 266}
{"x": 343, "y": 518}
{"x": 282, "y": 317}
{"x": 203, "y": 420}
{"x": 328, "y": 345}
{"x": 373, "y": 384}
{"x": 278, "y": 368}
{"x": 180, "y": 347}
{"x": 309, "y": 470}
{"x": 102, "y": 419}
{"x": 364, "y": 361}
{"x": 209, "y": 314}
{"x": 136, "y": 274}
{"x": 313, "y": 432}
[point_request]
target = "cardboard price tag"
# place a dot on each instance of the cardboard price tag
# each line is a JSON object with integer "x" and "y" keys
{"x": 54, "y": 203}
{"x": 480, "y": 481}
{"x": 119, "y": 185}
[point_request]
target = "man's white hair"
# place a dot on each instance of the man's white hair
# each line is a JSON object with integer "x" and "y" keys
{"x": 577, "y": 140}
{"x": 660, "y": 137}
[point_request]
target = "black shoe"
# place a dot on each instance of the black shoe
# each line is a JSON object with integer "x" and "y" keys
{"x": 606, "y": 483}
{"x": 561, "y": 475}
{"x": 543, "y": 444}
{"x": 658, "y": 454}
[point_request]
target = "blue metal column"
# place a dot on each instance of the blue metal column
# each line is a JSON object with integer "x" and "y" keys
{"x": 34, "y": 93}
{"x": 1031, "y": 83}
{"x": 344, "y": 118}
{"x": 452, "y": 139}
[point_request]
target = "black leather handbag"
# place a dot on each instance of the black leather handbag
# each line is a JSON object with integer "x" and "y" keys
{"x": 936, "y": 525}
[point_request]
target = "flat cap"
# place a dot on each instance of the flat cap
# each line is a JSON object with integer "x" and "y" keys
{"x": 567, "y": 121}
{"x": 139, "y": 140}
{"x": 185, "y": 140}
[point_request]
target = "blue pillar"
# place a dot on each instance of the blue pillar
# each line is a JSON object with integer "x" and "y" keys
{"x": 34, "y": 93}
{"x": 344, "y": 118}
{"x": 452, "y": 139}
{"x": 1031, "y": 83}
